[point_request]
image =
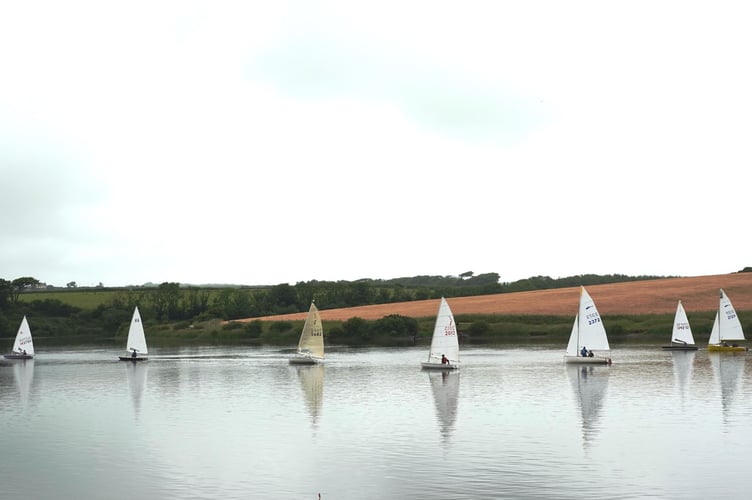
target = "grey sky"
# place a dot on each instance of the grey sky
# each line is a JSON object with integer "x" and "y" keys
{"x": 268, "y": 142}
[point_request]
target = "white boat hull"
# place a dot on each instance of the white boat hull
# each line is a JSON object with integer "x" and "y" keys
{"x": 595, "y": 360}
{"x": 131, "y": 358}
{"x": 439, "y": 366}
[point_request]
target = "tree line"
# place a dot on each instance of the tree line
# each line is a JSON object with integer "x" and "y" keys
{"x": 173, "y": 302}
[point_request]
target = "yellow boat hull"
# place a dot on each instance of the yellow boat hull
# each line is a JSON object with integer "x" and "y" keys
{"x": 726, "y": 348}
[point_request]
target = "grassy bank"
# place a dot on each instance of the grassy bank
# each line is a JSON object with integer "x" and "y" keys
{"x": 473, "y": 329}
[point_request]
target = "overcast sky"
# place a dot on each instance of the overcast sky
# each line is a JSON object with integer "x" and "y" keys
{"x": 268, "y": 142}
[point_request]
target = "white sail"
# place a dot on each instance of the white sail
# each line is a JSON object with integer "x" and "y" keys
{"x": 444, "y": 340}
{"x": 729, "y": 327}
{"x": 592, "y": 332}
{"x": 681, "y": 333}
{"x": 23, "y": 340}
{"x": 312, "y": 337}
{"x": 136, "y": 337}
{"x": 572, "y": 349}
{"x": 715, "y": 333}
{"x": 587, "y": 330}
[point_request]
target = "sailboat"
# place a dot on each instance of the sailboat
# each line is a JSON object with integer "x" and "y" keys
{"x": 23, "y": 347}
{"x": 136, "y": 345}
{"x": 588, "y": 335}
{"x": 311, "y": 343}
{"x": 726, "y": 328}
{"x": 681, "y": 335}
{"x": 444, "y": 353}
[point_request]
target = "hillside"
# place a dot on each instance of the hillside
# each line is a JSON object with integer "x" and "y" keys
{"x": 660, "y": 296}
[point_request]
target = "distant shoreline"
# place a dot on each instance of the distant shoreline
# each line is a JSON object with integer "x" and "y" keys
{"x": 659, "y": 296}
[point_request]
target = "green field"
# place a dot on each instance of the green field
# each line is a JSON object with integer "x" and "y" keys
{"x": 83, "y": 299}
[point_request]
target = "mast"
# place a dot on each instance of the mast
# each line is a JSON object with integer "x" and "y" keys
{"x": 579, "y": 318}
{"x": 720, "y": 317}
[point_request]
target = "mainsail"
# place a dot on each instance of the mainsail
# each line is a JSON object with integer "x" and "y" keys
{"x": 312, "y": 337}
{"x": 681, "y": 333}
{"x": 444, "y": 340}
{"x": 136, "y": 337}
{"x": 23, "y": 340}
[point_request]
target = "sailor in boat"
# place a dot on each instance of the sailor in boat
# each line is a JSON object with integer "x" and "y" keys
{"x": 444, "y": 360}
{"x": 134, "y": 353}
{"x": 584, "y": 352}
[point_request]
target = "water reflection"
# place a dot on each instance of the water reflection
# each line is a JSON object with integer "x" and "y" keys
{"x": 727, "y": 369}
{"x": 445, "y": 385}
{"x": 23, "y": 373}
{"x": 589, "y": 384}
{"x": 312, "y": 382}
{"x": 683, "y": 365}
{"x": 136, "y": 382}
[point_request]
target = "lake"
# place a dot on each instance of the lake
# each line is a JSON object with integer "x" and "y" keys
{"x": 239, "y": 422}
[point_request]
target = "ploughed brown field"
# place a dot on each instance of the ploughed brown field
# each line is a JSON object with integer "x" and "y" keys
{"x": 659, "y": 296}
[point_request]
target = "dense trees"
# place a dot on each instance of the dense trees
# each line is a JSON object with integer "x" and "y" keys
{"x": 18, "y": 285}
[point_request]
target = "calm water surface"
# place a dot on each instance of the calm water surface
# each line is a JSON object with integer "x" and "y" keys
{"x": 235, "y": 422}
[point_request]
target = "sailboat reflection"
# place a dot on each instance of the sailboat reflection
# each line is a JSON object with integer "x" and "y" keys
{"x": 312, "y": 381}
{"x": 683, "y": 366}
{"x": 136, "y": 382}
{"x": 23, "y": 373}
{"x": 589, "y": 384}
{"x": 728, "y": 369}
{"x": 445, "y": 385}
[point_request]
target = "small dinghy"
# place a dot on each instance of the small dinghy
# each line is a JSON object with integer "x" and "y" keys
{"x": 136, "y": 345}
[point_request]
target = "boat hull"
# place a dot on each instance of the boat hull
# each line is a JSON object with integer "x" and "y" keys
{"x": 726, "y": 348}
{"x": 18, "y": 356}
{"x": 683, "y": 347}
{"x": 303, "y": 360}
{"x": 439, "y": 366}
{"x": 595, "y": 360}
{"x": 131, "y": 358}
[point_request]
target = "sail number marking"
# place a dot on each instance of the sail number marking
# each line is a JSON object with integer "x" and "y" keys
{"x": 593, "y": 318}
{"x": 450, "y": 329}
